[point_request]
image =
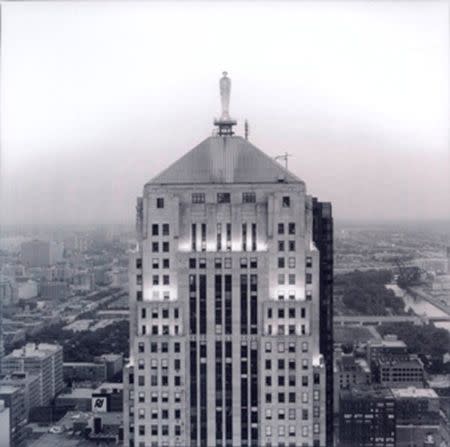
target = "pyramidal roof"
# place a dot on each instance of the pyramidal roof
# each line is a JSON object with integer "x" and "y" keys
{"x": 225, "y": 159}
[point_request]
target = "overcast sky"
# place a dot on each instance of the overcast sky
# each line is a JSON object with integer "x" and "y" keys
{"x": 97, "y": 98}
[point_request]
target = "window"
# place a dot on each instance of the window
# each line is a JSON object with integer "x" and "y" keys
{"x": 286, "y": 202}
{"x": 160, "y": 202}
{"x": 303, "y": 312}
{"x": 223, "y": 197}
{"x": 281, "y": 263}
{"x": 166, "y": 263}
{"x": 166, "y": 280}
{"x": 244, "y": 263}
{"x": 202, "y": 263}
{"x": 308, "y": 261}
{"x": 218, "y": 263}
{"x": 155, "y": 247}
{"x": 155, "y": 230}
{"x": 141, "y": 347}
{"x": 227, "y": 263}
{"x": 292, "y": 263}
{"x": 291, "y": 279}
{"x": 291, "y": 245}
{"x": 308, "y": 278}
{"x": 316, "y": 428}
{"x": 138, "y": 263}
{"x": 304, "y": 380}
{"x": 248, "y": 197}
{"x": 291, "y": 228}
{"x": 292, "y": 312}
{"x": 139, "y": 295}
{"x": 316, "y": 395}
{"x": 281, "y": 279}
{"x": 192, "y": 263}
{"x": 291, "y": 347}
{"x": 281, "y": 228}
{"x": 165, "y": 247}
{"x": 305, "y": 346}
{"x": 198, "y": 197}
{"x": 268, "y": 346}
{"x": 280, "y": 312}
{"x": 155, "y": 280}
{"x": 253, "y": 263}
{"x": 280, "y": 245}
{"x": 165, "y": 229}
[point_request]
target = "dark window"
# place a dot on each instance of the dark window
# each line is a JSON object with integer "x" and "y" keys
{"x": 155, "y": 247}
{"x": 138, "y": 263}
{"x": 194, "y": 236}
{"x": 291, "y": 245}
{"x": 248, "y": 197}
{"x": 192, "y": 263}
{"x": 281, "y": 263}
{"x": 165, "y": 247}
{"x": 223, "y": 197}
{"x": 308, "y": 278}
{"x": 159, "y": 202}
{"x": 166, "y": 263}
{"x": 155, "y": 230}
{"x": 291, "y": 228}
{"x": 280, "y": 245}
{"x": 286, "y": 202}
{"x": 198, "y": 197}
{"x": 308, "y": 261}
{"x": 281, "y": 228}
{"x": 253, "y": 263}
{"x": 165, "y": 229}
{"x": 139, "y": 295}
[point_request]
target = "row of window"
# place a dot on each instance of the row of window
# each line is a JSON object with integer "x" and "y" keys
{"x": 225, "y": 197}
{"x": 283, "y": 398}
{"x": 163, "y": 380}
{"x": 163, "y": 347}
{"x": 292, "y": 430}
{"x": 291, "y": 382}
{"x": 291, "y": 312}
{"x": 292, "y": 414}
{"x": 289, "y": 227}
{"x": 163, "y": 397}
{"x": 290, "y": 329}
{"x": 154, "y": 430}
{"x": 219, "y": 263}
{"x": 161, "y": 413}
{"x": 163, "y": 246}
{"x": 163, "y": 329}
{"x": 162, "y": 229}
{"x": 165, "y": 313}
{"x": 156, "y": 295}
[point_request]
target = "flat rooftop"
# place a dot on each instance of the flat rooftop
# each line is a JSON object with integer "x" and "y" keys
{"x": 411, "y": 391}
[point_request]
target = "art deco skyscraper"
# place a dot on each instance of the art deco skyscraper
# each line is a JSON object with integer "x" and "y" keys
{"x": 225, "y": 303}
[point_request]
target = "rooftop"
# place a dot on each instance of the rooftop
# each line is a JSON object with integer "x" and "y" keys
{"x": 221, "y": 159}
{"x": 32, "y": 350}
{"x": 363, "y": 392}
{"x": 414, "y": 392}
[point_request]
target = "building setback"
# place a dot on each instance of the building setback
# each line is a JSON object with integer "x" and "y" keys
{"x": 225, "y": 303}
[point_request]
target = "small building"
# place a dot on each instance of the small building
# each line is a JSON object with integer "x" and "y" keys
{"x": 78, "y": 399}
{"x": 400, "y": 373}
{"x": 110, "y": 396}
{"x": 113, "y": 363}
{"x": 367, "y": 417}
{"x": 389, "y": 347}
{"x": 53, "y": 290}
{"x": 84, "y": 371}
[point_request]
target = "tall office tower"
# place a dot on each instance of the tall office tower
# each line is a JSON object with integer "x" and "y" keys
{"x": 225, "y": 303}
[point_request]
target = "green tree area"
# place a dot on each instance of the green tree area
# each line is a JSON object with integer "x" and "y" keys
{"x": 422, "y": 340}
{"x": 364, "y": 293}
{"x": 84, "y": 346}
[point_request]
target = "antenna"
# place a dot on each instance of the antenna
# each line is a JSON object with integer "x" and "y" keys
{"x": 246, "y": 129}
{"x": 284, "y": 157}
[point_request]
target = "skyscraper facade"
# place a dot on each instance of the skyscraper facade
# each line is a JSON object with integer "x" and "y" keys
{"x": 225, "y": 304}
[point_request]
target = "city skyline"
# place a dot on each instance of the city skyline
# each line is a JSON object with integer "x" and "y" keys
{"x": 105, "y": 110}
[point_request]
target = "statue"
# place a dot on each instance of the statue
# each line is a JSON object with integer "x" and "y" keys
{"x": 225, "y": 89}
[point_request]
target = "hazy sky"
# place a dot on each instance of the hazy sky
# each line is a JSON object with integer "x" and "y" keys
{"x": 98, "y": 97}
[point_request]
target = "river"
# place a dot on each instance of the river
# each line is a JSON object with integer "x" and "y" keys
{"x": 419, "y": 305}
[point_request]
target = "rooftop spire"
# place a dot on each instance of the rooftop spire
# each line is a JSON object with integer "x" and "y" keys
{"x": 225, "y": 123}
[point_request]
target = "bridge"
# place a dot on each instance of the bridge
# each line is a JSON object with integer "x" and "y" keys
{"x": 374, "y": 320}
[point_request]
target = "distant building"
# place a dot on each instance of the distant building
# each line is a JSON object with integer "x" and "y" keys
{"x": 8, "y": 291}
{"x": 417, "y": 417}
{"x": 55, "y": 290}
{"x": 84, "y": 371}
{"x": 108, "y": 397}
{"x": 43, "y": 359}
{"x": 367, "y": 417}
{"x": 30, "y": 384}
{"x": 79, "y": 399}
{"x": 113, "y": 363}
{"x": 38, "y": 253}
{"x": 349, "y": 371}
{"x": 399, "y": 373}
{"x": 14, "y": 399}
{"x": 26, "y": 289}
{"x": 389, "y": 347}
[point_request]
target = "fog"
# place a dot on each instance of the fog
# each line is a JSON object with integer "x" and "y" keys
{"x": 98, "y": 97}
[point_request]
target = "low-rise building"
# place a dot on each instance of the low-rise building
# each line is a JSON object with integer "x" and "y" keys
{"x": 399, "y": 373}
{"x": 77, "y": 399}
{"x": 367, "y": 417}
{"x": 84, "y": 371}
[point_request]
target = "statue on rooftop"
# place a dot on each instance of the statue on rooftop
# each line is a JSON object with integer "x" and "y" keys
{"x": 225, "y": 89}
